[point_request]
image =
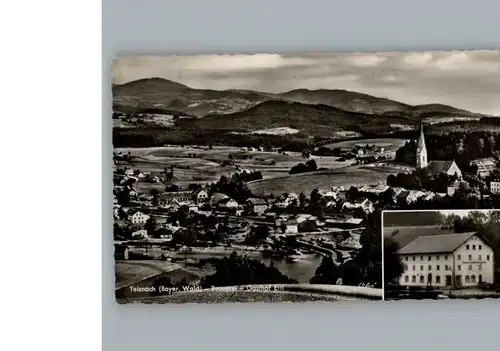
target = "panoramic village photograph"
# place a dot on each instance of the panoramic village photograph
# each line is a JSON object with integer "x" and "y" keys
{"x": 441, "y": 254}
{"x": 264, "y": 177}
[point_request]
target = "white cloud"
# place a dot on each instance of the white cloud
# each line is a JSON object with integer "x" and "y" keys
{"x": 224, "y": 63}
{"x": 366, "y": 60}
{"x": 453, "y": 61}
{"x": 418, "y": 58}
{"x": 467, "y": 62}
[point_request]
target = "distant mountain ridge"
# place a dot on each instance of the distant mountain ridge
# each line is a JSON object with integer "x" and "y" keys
{"x": 310, "y": 119}
{"x": 161, "y": 93}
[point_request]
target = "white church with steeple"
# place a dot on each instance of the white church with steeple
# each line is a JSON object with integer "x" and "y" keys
{"x": 435, "y": 167}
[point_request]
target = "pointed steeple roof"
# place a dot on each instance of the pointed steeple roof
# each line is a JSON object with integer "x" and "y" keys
{"x": 421, "y": 138}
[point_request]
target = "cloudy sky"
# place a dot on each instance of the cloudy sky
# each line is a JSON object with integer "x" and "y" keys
{"x": 468, "y": 80}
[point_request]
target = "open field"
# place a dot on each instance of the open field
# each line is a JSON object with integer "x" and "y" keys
{"x": 201, "y": 165}
{"x": 389, "y": 144}
{"x": 321, "y": 180}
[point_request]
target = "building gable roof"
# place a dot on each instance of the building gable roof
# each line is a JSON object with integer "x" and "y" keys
{"x": 440, "y": 166}
{"x": 257, "y": 201}
{"x": 436, "y": 243}
{"x": 217, "y": 197}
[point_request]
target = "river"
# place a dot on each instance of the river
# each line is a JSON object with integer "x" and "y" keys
{"x": 302, "y": 270}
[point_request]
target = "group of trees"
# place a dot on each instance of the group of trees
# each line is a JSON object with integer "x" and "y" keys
{"x": 234, "y": 187}
{"x": 365, "y": 268}
{"x": 152, "y": 136}
{"x": 242, "y": 270}
{"x": 309, "y": 166}
{"x": 462, "y": 147}
{"x": 422, "y": 179}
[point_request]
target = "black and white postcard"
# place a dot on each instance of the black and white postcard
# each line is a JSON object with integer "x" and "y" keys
{"x": 265, "y": 177}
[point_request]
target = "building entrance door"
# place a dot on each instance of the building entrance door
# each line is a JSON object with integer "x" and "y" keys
{"x": 448, "y": 280}
{"x": 480, "y": 278}
{"x": 458, "y": 280}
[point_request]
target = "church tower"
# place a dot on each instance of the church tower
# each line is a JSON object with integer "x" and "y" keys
{"x": 421, "y": 149}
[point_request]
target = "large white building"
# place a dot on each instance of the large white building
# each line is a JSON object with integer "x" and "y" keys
{"x": 139, "y": 218}
{"x": 448, "y": 261}
{"x": 495, "y": 187}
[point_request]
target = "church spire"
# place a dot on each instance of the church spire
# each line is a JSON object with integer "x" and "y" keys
{"x": 421, "y": 139}
{"x": 421, "y": 149}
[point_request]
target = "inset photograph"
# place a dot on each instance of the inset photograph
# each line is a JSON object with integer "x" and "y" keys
{"x": 441, "y": 254}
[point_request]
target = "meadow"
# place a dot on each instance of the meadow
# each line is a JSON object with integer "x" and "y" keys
{"x": 199, "y": 164}
{"x": 321, "y": 180}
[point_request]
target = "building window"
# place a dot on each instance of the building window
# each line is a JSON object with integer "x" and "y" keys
{"x": 437, "y": 268}
{"x": 413, "y": 268}
{"x": 430, "y": 267}
{"x": 467, "y": 279}
{"x": 437, "y": 258}
{"x": 480, "y": 247}
{"x": 438, "y": 279}
{"x": 459, "y": 257}
{"x": 480, "y": 267}
{"x": 421, "y": 279}
{"x": 421, "y": 268}
{"x": 470, "y": 257}
{"x": 428, "y": 258}
{"x": 459, "y": 267}
{"x": 479, "y": 258}
{"x": 421, "y": 258}
{"x": 473, "y": 247}
{"x": 407, "y": 279}
{"x": 406, "y": 258}
{"x": 473, "y": 278}
{"x": 467, "y": 247}
{"x": 445, "y": 267}
{"x": 445, "y": 257}
{"x": 413, "y": 278}
{"x": 470, "y": 267}
{"x": 487, "y": 257}
{"x": 413, "y": 258}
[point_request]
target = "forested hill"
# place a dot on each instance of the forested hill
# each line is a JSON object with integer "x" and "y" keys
{"x": 405, "y": 219}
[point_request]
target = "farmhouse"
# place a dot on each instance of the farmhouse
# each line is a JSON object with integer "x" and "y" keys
{"x": 447, "y": 261}
{"x": 138, "y": 218}
{"x": 495, "y": 187}
{"x": 484, "y": 166}
{"x": 291, "y": 227}
{"x": 179, "y": 196}
{"x": 362, "y": 203}
{"x": 374, "y": 189}
{"x": 286, "y": 200}
{"x": 216, "y": 198}
{"x": 140, "y": 234}
{"x": 201, "y": 197}
{"x": 227, "y": 203}
{"x": 257, "y": 205}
